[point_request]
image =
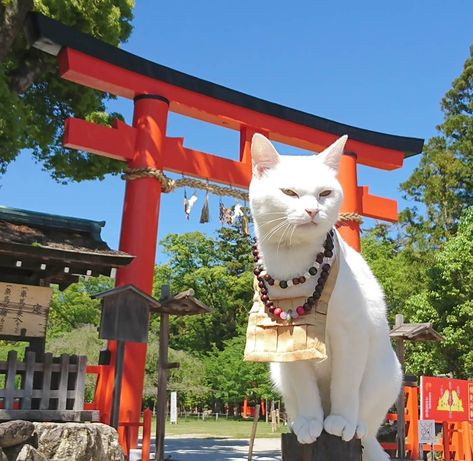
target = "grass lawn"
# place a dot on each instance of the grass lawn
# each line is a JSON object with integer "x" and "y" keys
{"x": 221, "y": 428}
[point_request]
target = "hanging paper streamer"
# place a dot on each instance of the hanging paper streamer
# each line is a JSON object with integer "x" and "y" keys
{"x": 237, "y": 213}
{"x": 190, "y": 204}
{"x": 204, "y": 215}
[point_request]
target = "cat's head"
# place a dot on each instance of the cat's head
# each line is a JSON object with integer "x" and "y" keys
{"x": 294, "y": 199}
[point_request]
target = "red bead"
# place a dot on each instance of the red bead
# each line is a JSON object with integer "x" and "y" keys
{"x": 300, "y": 310}
{"x": 270, "y": 282}
{"x": 295, "y": 281}
{"x": 277, "y": 311}
{"x": 301, "y": 279}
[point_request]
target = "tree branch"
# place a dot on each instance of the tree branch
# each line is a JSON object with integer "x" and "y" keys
{"x": 12, "y": 17}
{"x": 30, "y": 67}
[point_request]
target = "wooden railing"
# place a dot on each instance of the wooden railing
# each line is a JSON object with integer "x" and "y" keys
{"x": 48, "y": 390}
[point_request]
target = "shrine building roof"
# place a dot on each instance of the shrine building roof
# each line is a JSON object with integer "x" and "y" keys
{"x": 41, "y": 248}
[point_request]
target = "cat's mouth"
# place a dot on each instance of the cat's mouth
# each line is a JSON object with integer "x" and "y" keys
{"x": 307, "y": 224}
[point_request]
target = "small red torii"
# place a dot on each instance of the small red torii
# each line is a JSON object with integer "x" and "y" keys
{"x": 156, "y": 90}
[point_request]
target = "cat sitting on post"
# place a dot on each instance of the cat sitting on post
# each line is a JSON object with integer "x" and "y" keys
{"x": 295, "y": 201}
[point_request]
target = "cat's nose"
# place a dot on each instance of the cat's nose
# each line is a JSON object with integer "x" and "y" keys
{"x": 311, "y": 212}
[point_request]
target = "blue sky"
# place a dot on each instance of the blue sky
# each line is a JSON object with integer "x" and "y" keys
{"x": 379, "y": 65}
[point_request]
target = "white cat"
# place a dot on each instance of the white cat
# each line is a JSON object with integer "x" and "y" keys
{"x": 295, "y": 201}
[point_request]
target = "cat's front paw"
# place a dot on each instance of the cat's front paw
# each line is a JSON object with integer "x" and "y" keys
{"x": 307, "y": 430}
{"x": 338, "y": 425}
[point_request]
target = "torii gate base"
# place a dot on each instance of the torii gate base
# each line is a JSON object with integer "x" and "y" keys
{"x": 326, "y": 448}
{"x": 156, "y": 90}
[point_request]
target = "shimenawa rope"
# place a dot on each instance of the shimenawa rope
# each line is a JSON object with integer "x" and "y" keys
{"x": 168, "y": 185}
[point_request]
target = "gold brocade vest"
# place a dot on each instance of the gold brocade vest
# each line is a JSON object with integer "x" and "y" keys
{"x": 275, "y": 340}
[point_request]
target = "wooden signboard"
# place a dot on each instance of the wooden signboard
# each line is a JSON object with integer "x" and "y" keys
{"x": 24, "y": 310}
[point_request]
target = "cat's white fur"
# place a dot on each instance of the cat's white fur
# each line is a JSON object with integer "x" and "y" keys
{"x": 349, "y": 393}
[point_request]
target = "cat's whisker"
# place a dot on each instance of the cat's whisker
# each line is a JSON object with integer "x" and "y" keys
{"x": 282, "y": 237}
{"x": 272, "y": 220}
{"x": 273, "y": 231}
{"x": 292, "y": 233}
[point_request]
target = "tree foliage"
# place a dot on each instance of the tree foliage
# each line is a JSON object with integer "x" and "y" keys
{"x": 34, "y": 101}
{"x": 447, "y": 301}
{"x": 443, "y": 181}
{"x": 231, "y": 379}
{"x": 221, "y": 282}
{"x": 425, "y": 266}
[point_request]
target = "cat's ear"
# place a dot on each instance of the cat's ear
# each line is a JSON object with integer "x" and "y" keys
{"x": 331, "y": 156}
{"x": 263, "y": 153}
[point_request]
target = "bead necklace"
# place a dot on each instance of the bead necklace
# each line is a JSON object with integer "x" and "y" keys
{"x": 323, "y": 262}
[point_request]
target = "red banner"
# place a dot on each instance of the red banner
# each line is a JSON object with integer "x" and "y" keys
{"x": 445, "y": 399}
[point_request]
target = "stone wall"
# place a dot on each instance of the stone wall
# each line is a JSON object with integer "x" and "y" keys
{"x": 27, "y": 441}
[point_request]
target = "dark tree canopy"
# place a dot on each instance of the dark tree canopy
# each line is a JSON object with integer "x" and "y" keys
{"x": 443, "y": 181}
{"x": 34, "y": 101}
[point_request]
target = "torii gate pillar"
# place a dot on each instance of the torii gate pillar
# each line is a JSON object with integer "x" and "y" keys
{"x": 347, "y": 176}
{"x": 138, "y": 237}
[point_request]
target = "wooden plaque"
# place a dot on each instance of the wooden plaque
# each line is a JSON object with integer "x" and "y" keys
{"x": 24, "y": 310}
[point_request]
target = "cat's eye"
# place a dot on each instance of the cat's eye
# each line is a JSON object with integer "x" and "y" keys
{"x": 325, "y": 193}
{"x": 289, "y": 192}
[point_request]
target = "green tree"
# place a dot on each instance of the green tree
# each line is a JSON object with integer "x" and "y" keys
{"x": 443, "y": 181}
{"x": 400, "y": 271}
{"x": 189, "y": 380}
{"x": 74, "y": 307}
{"x": 232, "y": 380}
{"x": 34, "y": 101}
{"x": 222, "y": 283}
{"x": 448, "y": 303}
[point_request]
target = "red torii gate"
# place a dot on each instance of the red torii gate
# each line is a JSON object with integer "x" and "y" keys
{"x": 156, "y": 90}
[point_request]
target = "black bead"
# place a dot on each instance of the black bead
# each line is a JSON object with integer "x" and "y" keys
{"x": 320, "y": 258}
{"x": 328, "y": 253}
{"x": 310, "y": 299}
{"x": 323, "y": 276}
{"x": 283, "y": 284}
{"x": 317, "y": 295}
{"x": 267, "y": 276}
{"x": 326, "y": 268}
{"x": 328, "y": 245}
{"x": 301, "y": 279}
{"x": 256, "y": 271}
{"x": 307, "y": 307}
{"x": 270, "y": 282}
{"x": 295, "y": 280}
{"x": 312, "y": 270}
{"x": 261, "y": 284}
{"x": 264, "y": 298}
{"x": 263, "y": 291}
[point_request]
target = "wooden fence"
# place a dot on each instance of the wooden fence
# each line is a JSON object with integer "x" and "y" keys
{"x": 48, "y": 390}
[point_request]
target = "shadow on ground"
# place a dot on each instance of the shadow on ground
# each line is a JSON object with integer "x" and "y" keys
{"x": 219, "y": 449}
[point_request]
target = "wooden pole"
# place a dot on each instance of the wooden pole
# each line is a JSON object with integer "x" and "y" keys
{"x": 162, "y": 385}
{"x": 326, "y": 448}
{"x": 117, "y": 386}
{"x": 253, "y": 432}
{"x": 401, "y": 400}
